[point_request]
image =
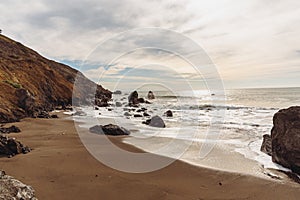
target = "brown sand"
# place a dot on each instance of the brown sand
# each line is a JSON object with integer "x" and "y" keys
{"x": 59, "y": 167}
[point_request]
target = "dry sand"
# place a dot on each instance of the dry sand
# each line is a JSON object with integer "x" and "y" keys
{"x": 59, "y": 167}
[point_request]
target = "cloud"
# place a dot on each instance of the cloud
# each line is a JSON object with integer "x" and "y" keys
{"x": 245, "y": 39}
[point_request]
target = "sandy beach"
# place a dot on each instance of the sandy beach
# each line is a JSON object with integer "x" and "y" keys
{"x": 60, "y": 167}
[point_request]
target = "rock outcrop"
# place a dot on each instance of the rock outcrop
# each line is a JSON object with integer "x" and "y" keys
{"x": 155, "y": 121}
{"x": 133, "y": 98}
{"x": 285, "y": 136}
{"x": 30, "y": 83}
{"x": 11, "y": 188}
{"x": 150, "y": 95}
{"x": 10, "y": 147}
{"x": 109, "y": 129}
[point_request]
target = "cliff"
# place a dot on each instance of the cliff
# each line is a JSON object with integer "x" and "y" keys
{"x": 30, "y": 83}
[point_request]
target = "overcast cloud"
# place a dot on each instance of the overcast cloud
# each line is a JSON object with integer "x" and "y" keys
{"x": 254, "y": 43}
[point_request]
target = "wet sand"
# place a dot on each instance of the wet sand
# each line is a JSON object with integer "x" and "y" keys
{"x": 60, "y": 168}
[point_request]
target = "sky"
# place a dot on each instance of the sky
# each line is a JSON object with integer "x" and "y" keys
{"x": 178, "y": 44}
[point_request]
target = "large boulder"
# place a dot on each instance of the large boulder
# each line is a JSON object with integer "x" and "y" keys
{"x": 285, "y": 136}
{"x": 11, "y": 188}
{"x": 155, "y": 121}
{"x": 11, "y": 147}
{"x": 151, "y": 95}
{"x": 109, "y": 129}
{"x": 133, "y": 98}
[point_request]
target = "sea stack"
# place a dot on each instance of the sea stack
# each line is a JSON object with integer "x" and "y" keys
{"x": 285, "y": 136}
{"x": 151, "y": 95}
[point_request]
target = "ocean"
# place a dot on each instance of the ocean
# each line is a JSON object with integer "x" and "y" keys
{"x": 233, "y": 122}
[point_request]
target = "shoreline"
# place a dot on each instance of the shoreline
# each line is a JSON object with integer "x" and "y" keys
{"x": 60, "y": 167}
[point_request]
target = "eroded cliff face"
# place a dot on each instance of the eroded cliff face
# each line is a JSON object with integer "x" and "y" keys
{"x": 30, "y": 83}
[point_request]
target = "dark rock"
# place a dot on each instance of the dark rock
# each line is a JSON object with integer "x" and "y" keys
{"x": 109, "y": 109}
{"x": 79, "y": 113}
{"x": 141, "y": 100}
{"x": 109, "y": 129}
{"x": 137, "y": 115}
{"x": 54, "y": 116}
{"x": 146, "y": 114}
{"x": 127, "y": 114}
{"x": 118, "y": 104}
{"x": 169, "y": 113}
{"x": 133, "y": 105}
{"x": 133, "y": 98}
{"x": 43, "y": 114}
{"x": 151, "y": 95}
{"x": 285, "y": 136}
{"x": 96, "y": 108}
{"x": 12, "y": 129}
{"x": 11, "y": 147}
{"x": 139, "y": 110}
{"x": 266, "y": 146}
{"x": 117, "y": 92}
{"x": 155, "y": 121}
{"x": 101, "y": 102}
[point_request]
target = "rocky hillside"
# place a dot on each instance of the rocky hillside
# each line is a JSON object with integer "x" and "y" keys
{"x": 30, "y": 83}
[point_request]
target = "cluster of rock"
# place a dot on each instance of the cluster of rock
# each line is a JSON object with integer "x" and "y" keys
{"x": 11, "y": 129}
{"x": 11, "y": 147}
{"x": 13, "y": 189}
{"x": 284, "y": 142}
{"x": 154, "y": 121}
{"x": 133, "y": 102}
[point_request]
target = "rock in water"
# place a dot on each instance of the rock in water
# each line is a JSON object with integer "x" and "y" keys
{"x": 117, "y": 92}
{"x": 141, "y": 100}
{"x": 155, "y": 121}
{"x": 285, "y": 136}
{"x": 109, "y": 129}
{"x": 11, "y": 188}
{"x": 133, "y": 98}
{"x": 169, "y": 113}
{"x": 266, "y": 146}
{"x": 146, "y": 114}
{"x": 150, "y": 95}
{"x": 118, "y": 104}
